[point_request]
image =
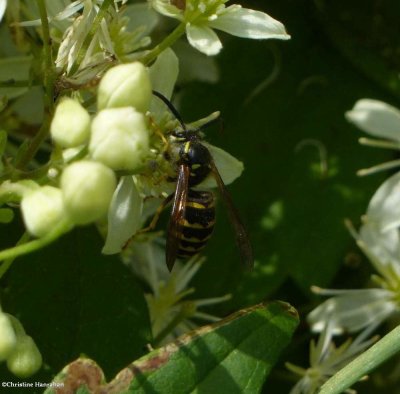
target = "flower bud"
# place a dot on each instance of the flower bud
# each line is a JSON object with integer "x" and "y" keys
{"x": 25, "y": 359}
{"x": 42, "y": 209}
{"x": 8, "y": 339}
{"x": 71, "y": 124}
{"x": 87, "y": 189}
{"x": 120, "y": 138}
{"x": 125, "y": 85}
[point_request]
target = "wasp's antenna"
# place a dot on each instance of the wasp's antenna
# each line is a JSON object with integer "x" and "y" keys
{"x": 171, "y": 108}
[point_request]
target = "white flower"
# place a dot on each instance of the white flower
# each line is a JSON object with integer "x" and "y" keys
{"x": 353, "y": 310}
{"x": 125, "y": 85}
{"x": 3, "y": 5}
{"x": 384, "y": 207}
{"x": 113, "y": 37}
{"x": 124, "y": 215}
{"x": 70, "y": 126}
{"x": 171, "y": 313}
{"x": 326, "y": 359}
{"x": 202, "y": 16}
{"x": 379, "y": 120}
{"x": 120, "y": 138}
{"x": 87, "y": 188}
{"x": 42, "y": 209}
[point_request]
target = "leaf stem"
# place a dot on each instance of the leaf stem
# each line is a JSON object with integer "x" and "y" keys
{"x": 36, "y": 244}
{"x": 48, "y": 57}
{"x": 7, "y": 264}
{"x": 34, "y": 145}
{"x": 166, "y": 43}
{"x": 388, "y": 346}
{"x": 49, "y": 82}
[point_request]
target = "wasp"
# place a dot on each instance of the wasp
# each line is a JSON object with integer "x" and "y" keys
{"x": 193, "y": 212}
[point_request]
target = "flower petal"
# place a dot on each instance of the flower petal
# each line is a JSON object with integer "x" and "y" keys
{"x": 376, "y": 118}
{"x": 353, "y": 310}
{"x": 203, "y": 39}
{"x": 228, "y": 166}
{"x": 384, "y": 207}
{"x": 243, "y": 22}
{"x": 163, "y": 75}
{"x": 382, "y": 248}
{"x": 123, "y": 215}
{"x": 166, "y": 8}
{"x": 3, "y": 5}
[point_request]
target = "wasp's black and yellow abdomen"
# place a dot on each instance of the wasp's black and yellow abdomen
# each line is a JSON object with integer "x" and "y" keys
{"x": 198, "y": 223}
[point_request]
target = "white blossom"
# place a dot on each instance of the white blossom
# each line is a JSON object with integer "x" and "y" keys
{"x": 70, "y": 126}
{"x": 87, "y": 189}
{"x": 3, "y": 6}
{"x": 167, "y": 300}
{"x": 326, "y": 359}
{"x": 381, "y": 120}
{"x": 202, "y": 16}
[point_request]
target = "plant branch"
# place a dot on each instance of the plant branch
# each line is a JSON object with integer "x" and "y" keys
{"x": 166, "y": 43}
{"x": 48, "y": 58}
{"x": 388, "y": 346}
{"x": 36, "y": 244}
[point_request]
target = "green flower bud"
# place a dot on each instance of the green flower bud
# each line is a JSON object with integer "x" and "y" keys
{"x": 42, "y": 209}
{"x": 25, "y": 359}
{"x": 87, "y": 189}
{"x": 125, "y": 85}
{"x": 120, "y": 138}
{"x": 8, "y": 339}
{"x": 71, "y": 124}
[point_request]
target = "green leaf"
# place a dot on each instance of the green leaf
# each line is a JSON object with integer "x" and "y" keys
{"x": 233, "y": 355}
{"x": 367, "y": 34}
{"x": 3, "y": 142}
{"x": 14, "y": 69}
{"x": 294, "y": 211}
{"x": 72, "y": 300}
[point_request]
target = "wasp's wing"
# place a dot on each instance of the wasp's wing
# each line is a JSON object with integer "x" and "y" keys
{"x": 177, "y": 215}
{"x": 241, "y": 237}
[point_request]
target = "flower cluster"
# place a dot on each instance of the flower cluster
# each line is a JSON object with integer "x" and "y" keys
{"x": 109, "y": 136}
{"x": 117, "y": 138}
{"x": 352, "y": 310}
{"x": 326, "y": 359}
{"x": 171, "y": 312}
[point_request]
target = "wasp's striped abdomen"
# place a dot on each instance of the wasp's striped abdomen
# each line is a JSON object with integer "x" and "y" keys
{"x": 198, "y": 223}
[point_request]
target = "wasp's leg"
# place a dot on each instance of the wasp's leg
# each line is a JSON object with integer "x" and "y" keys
{"x": 157, "y": 215}
{"x": 153, "y": 222}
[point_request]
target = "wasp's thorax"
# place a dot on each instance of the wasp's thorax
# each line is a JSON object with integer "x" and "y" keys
{"x": 186, "y": 148}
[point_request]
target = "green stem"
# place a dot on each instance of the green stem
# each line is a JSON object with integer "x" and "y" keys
{"x": 88, "y": 39}
{"x": 34, "y": 145}
{"x": 48, "y": 58}
{"x": 166, "y": 43}
{"x": 7, "y": 264}
{"x": 36, "y": 244}
{"x": 49, "y": 80}
{"x": 388, "y": 346}
{"x": 12, "y": 83}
